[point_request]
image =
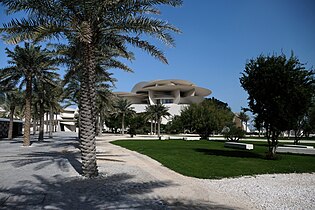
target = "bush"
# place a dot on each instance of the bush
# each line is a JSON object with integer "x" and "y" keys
{"x": 233, "y": 133}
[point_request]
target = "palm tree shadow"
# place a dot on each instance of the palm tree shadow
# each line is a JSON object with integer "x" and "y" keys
{"x": 117, "y": 191}
{"x": 41, "y": 160}
{"x": 62, "y": 151}
{"x": 230, "y": 153}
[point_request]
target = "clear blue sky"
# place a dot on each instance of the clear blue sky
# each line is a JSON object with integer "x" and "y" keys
{"x": 218, "y": 37}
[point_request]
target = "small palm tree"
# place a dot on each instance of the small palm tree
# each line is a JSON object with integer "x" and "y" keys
{"x": 28, "y": 64}
{"x": 159, "y": 111}
{"x": 150, "y": 115}
{"x": 244, "y": 118}
{"x": 123, "y": 108}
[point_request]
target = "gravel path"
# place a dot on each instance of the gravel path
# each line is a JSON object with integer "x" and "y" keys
{"x": 46, "y": 176}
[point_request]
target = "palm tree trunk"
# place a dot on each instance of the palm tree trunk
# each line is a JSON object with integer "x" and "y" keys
{"x": 51, "y": 117}
{"x": 10, "y": 132}
{"x": 41, "y": 122}
{"x": 159, "y": 127}
{"x": 87, "y": 122}
{"x": 99, "y": 125}
{"x": 47, "y": 124}
{"x": 123, "y": 124}
{"x": 155, "y": 127}
{"x": 34, "y": 125}
{"x": 151, "y": 131}
{"x": 27, "y": 112}
{"x": 56, "y": 122}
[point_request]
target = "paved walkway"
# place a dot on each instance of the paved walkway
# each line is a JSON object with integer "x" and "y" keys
{"x": 46, "y": 176}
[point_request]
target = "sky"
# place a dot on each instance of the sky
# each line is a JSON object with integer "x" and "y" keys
{"x": 218, "y": 38}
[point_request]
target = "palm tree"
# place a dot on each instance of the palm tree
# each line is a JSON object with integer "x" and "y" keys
{"x": 104, "y": 107}
{"x": 123, "y": 108}
{"x": 53, "y": 105}
{"x": 45, "y": 97}
{"x": 159, "y": 111}
{"x": 10, "y": 101}
{"x": 100, "y": 27}
{"x": 150, "y": 115}
{"x": 244, "y": 118}
{"x": 28, "y": 64}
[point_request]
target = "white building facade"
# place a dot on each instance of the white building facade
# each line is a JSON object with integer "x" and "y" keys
{"x": 172, "y": 93}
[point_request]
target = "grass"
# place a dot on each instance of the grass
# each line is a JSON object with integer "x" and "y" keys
{"x": 211, "y": 160}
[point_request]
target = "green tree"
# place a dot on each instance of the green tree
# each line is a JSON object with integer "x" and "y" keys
{"x": 53, "y": 100}
{"x": 45, "y": 96}
{"x": 98, "y": 26}
{"x": 150, "y": 115}
{"x": 137, "y": 124}
{"x": 123, "y": 108}
{"x": 233, "y": 133}
{"x": 280, "y": 92}
{"x": 160, "y": 111}
{"x": 309, "y": 124}
{"x": 244, "y": 119}
{"x": 207, "y": 117}
{"x": 28, "y": 64}
{"x": 175, "y": 125}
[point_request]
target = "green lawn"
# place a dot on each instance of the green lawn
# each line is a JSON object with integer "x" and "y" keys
{"x": 210, "y": 159}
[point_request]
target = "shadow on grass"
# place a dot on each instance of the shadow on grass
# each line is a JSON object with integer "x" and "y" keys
{"x": 117, "y": 191}
{"x": 231, "y": 153}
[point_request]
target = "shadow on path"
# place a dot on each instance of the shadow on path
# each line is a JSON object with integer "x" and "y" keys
{"x": 59, "y": 151}
{"x": 106, "y": 192}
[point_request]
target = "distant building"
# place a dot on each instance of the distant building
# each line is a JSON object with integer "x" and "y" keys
{"x": 174, "y": 94}
{"x": 67, "y": 119}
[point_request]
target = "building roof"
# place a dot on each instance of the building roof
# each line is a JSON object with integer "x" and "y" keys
{"x": 167, "y": 85}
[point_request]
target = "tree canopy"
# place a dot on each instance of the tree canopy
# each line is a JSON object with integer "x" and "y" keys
{"x": 207, "y": 117}
{"x": 280, "y": 91}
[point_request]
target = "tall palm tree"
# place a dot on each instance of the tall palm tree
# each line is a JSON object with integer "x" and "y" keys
{"x": 44, "y": 98}
{"x": 123, "y": 108}
{"x": 28, "y": 64}
{"x": 99, "y": 26}
{"x": 52, "y": 103}
{"x": 10, "y": 101}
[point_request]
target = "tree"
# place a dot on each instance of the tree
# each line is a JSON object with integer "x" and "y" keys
{"x": 150, "y": 115}
{"x": 159, "y": 111}
{"x": 136, "y": 123}
{"x": 10, "y": 101}
{"x": 45, "y": 96}
{"x": 207, "y": 117}
{"x": 123, "y": 108}
{"x": 244, "y": 118}
{"x": 233, "y": 133}
{"x": 309, "y": 121}
{"x": 175, "y": 125}
{"x": 99, "y": 27}
{"x": 52, "y": 102}
{"x": 280, "y": 92}
{"x": 28, "y": 64}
